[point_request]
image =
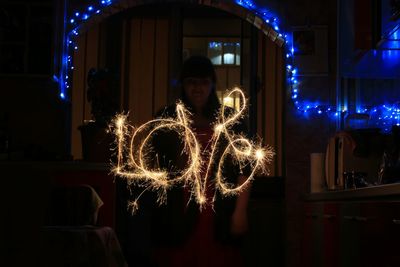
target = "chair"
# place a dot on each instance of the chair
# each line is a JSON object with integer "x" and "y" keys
{"x": 71, "y": 237}
{"x": 73, "y": 206}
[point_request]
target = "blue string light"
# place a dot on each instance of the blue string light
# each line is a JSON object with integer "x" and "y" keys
{"x": 383, "y": 116}
{"x": 215, "y": 44}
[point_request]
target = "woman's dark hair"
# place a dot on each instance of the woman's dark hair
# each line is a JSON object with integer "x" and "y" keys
{"x": 200, "y": 67}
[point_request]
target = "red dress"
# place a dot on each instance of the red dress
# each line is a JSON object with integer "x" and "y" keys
{"x": 201, "y": 249}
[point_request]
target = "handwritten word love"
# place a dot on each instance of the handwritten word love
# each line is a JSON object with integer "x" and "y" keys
{"x": 134, "y": 146}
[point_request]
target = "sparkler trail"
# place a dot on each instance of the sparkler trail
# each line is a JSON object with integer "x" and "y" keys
{"x": 132, "y": 160}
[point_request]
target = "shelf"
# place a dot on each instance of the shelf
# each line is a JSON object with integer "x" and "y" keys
{"x": 384, "y": 192}
{"x": 57, "y": 165}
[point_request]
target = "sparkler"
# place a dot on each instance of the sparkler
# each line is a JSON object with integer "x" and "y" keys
{"x": 134, "y": 152}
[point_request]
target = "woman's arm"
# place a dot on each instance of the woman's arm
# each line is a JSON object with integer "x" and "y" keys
{"x": 239, "y": 223}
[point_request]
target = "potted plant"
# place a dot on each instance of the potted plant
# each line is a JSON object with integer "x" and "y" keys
{"x": 101, "y": 91}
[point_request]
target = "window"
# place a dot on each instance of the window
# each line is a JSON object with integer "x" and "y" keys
{"x": 224, "y": 53}
{"x": 232, "y": 101}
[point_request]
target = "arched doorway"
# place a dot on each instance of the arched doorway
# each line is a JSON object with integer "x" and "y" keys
{"x": 144, "y": 45}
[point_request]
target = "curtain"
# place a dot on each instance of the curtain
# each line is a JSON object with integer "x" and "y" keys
{"x": 145, "y": 67}
{"x": 85, "y": 57}
{"x": 270, "y": 99}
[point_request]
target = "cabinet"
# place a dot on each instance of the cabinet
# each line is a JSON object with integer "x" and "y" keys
{"x": 26, "y": 34}
{"x": 351, "y": 232}
{"x": 380, "y": 234}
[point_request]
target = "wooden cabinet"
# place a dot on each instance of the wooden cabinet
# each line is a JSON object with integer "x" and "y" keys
{"x": 312, "y": 235}
{"x": 349, "y": 222}
{"x": 360, "y": 232}
{"x": 331, "y": 231}
{"x": 380, "y": 234}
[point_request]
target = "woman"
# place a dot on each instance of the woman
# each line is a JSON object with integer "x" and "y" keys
{"x": 184, "y": 235}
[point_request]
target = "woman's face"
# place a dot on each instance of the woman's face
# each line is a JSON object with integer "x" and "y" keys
{"x": 197, "y": 91}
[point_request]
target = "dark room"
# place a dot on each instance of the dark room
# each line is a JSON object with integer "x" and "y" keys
{"x": 202, "y": 133}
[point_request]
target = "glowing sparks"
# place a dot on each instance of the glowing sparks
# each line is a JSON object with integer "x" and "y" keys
{"x": 136, "y": 160}
{"x": 219, "y": 128}
{"x": 260, "y": 154}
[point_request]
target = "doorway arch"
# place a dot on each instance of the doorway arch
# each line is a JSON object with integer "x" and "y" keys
{"x": 263, "y": 20}
{"x": 268, "y": 68}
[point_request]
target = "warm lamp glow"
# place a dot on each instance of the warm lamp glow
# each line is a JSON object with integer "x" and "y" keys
{"x": 229, "y": 101}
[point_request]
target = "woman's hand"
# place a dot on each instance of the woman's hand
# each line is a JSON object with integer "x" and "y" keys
{"x": 239, "y": 222}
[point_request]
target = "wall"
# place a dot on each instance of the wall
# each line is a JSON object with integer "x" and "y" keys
{"x": 306, "y": 134}
{"x": 32, "y": 116}
{"x": 35, "y": 117}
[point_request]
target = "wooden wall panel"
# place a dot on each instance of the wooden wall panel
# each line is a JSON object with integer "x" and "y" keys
{"x": 270, "y": 100}
{"x": 280, "y": 110}
{"x": 261, "y": 87}
{"x": 161, "y": 64}
{"x": 146, "y": 79}
{"x": 233, "y": 77}
{"x": 221, "y": 78}
{"x": 124, "y": 81}
{"x": 85, "y": 57}
{"x": 227, "y": 77}
{"x": 134, "y": 68}
{"x": 147, "y": 67}
{"x": 141, "y": 70}
{"x": 92, "y": 51}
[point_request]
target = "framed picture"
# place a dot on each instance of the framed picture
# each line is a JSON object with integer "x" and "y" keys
{"x": 305, "y": 42}
{"x": 311, "y": 49}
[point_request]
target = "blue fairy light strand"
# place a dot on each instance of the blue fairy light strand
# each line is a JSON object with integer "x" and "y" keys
{"x": 383, "y": 116}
